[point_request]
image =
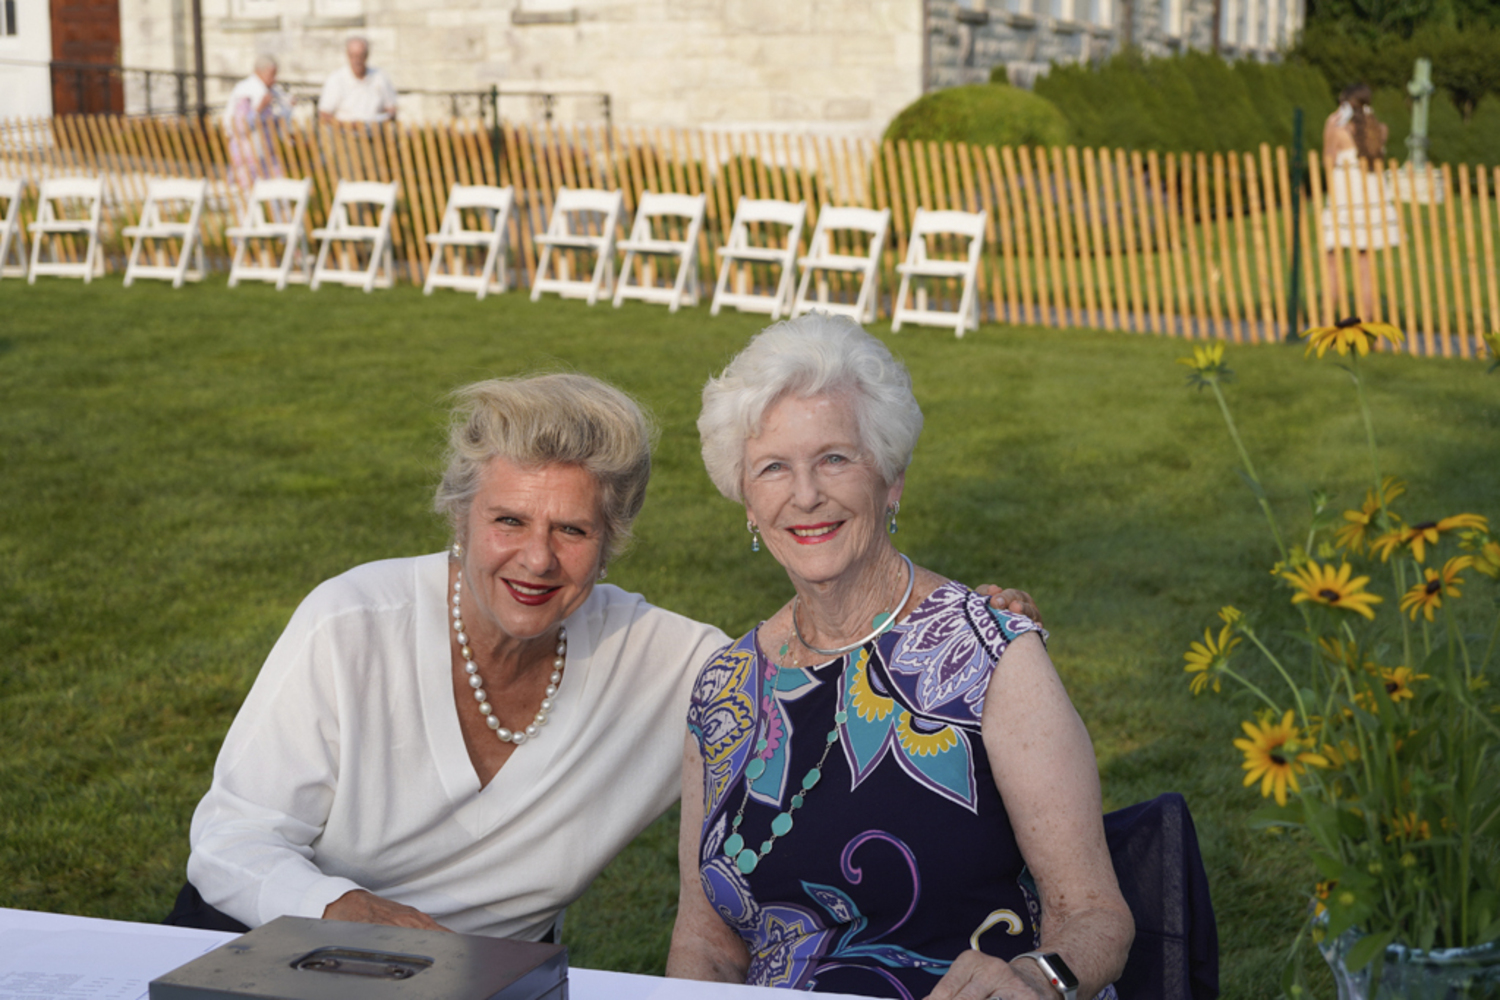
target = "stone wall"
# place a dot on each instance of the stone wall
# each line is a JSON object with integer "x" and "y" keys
{"x": 832, "y": 66}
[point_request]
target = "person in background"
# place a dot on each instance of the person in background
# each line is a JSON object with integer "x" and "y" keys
{"x": 1359, "y": 214}
{"x": 357, "y": 92}
{"x": 255, "y": 106}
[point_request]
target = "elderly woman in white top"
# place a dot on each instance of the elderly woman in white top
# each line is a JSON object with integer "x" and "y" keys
{"x": 886, "y": 790}
{"x": 465, "y": 739}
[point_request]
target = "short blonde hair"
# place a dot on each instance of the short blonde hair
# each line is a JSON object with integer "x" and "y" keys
{"x": 807, "y": 356}
{"x": 564, "y": 419}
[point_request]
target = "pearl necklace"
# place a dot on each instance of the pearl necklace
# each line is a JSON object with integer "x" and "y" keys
{"x": 476, "y": 682}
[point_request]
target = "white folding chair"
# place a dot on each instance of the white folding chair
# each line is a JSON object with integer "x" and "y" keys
{"x": 821, "y": 257}
{"x": 340, "y": 229}
{"x": 167, "y": 200}
{"x": 564, "y": 232}
{"x": 11, "y": 240}
{"x": 277, "y": 211}
{"x": 966, "y": 225}
{"x": 644, "y": 242}
{"x": 492, "y": 277}
{"x": 52, "y": 220}
{"x": 738, "y": 250}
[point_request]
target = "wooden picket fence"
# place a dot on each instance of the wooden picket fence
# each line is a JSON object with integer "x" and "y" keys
{"x": 1192, "y": 245}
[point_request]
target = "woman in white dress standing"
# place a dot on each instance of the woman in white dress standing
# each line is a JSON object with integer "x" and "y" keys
{"x": 1361, "y": 211}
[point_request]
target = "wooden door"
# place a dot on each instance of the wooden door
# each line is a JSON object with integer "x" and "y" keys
{"x": 86, "y": 33}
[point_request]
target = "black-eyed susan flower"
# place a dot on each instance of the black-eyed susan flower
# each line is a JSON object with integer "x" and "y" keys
{"x": 1275, "y": 754}
{"x": 1206, "y": 660}
{"x": 1427, "y": 596}
{"x": 1419, "y": 536}
{"x": 1332, "y": 588}
{"x": 1207, "y": 365}
{"x": 1398, "y": 682}
{"x": 1487, "y": 557}
{"x": 1408, "y": 826}
{"x": 1355, "y": 534}
{"x": 1350, "y": 334}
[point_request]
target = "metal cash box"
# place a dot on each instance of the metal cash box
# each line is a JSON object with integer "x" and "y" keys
{"x": 296, "y": 958}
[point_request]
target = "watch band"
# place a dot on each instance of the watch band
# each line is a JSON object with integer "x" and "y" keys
{"x": 1057, "y": 972}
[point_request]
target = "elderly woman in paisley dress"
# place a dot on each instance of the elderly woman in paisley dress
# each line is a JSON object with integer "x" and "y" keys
{"x": 886, "y": 790}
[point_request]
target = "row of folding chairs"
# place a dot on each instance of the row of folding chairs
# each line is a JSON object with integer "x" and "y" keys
{"x": 586, "y": 220}
{"x": 666, "y": 227}
{"x": 173, "y": 211}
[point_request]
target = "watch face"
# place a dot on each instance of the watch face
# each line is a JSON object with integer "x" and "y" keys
{"x": 1056, "y": 968}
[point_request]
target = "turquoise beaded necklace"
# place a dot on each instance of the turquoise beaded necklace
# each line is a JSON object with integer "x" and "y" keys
{"x": 745, "y": 858}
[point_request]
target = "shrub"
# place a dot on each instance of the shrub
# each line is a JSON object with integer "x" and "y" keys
{"x": 1195, "y": 102}
{"x": 986, "y": 114}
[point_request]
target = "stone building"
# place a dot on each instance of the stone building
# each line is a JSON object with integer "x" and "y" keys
{"x": 827, "y": 66}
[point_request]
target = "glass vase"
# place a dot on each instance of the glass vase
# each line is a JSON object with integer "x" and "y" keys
{"x": 1440, "y": 974}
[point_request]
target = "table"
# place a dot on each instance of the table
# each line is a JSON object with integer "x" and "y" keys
{"x": 55, "y": 956}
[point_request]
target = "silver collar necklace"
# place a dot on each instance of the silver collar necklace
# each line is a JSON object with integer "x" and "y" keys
{"x": 883, "y": 622}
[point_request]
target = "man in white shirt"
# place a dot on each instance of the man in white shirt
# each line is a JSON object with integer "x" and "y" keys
{"x": 358, "y": 92}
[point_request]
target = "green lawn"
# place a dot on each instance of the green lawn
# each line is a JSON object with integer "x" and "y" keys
{"x": 180, "y": 468}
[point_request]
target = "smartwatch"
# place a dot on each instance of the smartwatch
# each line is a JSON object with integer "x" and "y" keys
{"x": 1057, "y": 972}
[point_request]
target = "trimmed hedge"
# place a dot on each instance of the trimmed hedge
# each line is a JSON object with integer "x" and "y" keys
{"x": 1195, "y": 102}
{"x": 1465, "y": 62}
{"x": 988, "y": 114}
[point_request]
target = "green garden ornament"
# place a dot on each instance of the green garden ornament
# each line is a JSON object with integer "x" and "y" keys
{"x": 1420, "y": 88}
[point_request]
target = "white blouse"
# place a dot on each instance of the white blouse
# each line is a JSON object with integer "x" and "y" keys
{"x": 345, "y": 767}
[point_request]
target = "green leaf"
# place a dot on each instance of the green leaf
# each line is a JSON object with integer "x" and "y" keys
{"x": 1290, "y": 814}
{"x": 1366, "y": 948}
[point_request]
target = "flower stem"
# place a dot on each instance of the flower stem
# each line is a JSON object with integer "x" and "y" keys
{"x": 1296, "y": 691}
{"x": 1260, "y": 498}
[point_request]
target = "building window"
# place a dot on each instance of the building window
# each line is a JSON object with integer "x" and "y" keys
{"x": 8, "y": 17}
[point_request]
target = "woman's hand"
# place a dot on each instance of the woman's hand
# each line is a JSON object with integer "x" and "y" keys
{"x": 977, "y": 976}
{"x": 1015, "y": 601}
{"x": 358, "y": 906}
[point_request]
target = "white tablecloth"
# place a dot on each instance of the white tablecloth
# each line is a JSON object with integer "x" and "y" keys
{"x": 54, "y": 956}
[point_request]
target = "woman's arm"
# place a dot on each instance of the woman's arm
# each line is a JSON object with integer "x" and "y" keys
{"x": 1044, "y": 767}
{"x": 703, "y": 945}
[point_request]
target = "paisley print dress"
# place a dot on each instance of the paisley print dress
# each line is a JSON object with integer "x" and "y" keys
{"x": 899, "y": 855}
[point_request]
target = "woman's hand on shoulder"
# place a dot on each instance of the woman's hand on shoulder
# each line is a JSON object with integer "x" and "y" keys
{"x": 1009, "y": 599}
{"x": 977, "y": 976}
{"x": 359, "y": 906}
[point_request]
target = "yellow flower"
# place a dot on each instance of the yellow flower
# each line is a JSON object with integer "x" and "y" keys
{"x": 1427, "y": 596}
{"x": 1323, "y": 585}
{"x": 1295, "y": 556}
{"x": 1398, "y": 682}
{"x": 1321, "y": 891}
{"x": 1207, "y": 364}
{"x": 1274, "y": 755}
{"x": 1349, "y": 334}
{"x": 1419, "y": 536}
{"x": 1342, "y": 755}
{"x": 1229, "y": 614}
{"x": 1488, "y": 559}
{"x": 1352, "y": 536}
{"x": 1408, "y": 827}
{"x": 1205, "y": 659}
